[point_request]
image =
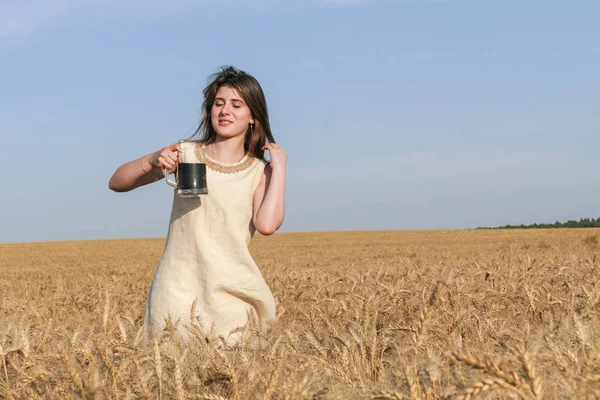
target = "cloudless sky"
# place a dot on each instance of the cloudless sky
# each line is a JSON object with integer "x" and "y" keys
{"x": 395, "y": 114}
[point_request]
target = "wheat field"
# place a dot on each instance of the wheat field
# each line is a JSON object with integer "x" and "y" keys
{"x": 361, "y": 315}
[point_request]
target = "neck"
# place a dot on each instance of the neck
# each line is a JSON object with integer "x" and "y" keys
{"x": 227, "y": 150}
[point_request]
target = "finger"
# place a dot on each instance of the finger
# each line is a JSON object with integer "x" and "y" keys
{"x": 168, "y": 155}
{"x": 166, "y": 163}
{"x": 173, "y": 156}
{"x": 175, "y": 147}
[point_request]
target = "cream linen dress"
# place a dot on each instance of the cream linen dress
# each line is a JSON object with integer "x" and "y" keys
{"x": 206, "y": 258}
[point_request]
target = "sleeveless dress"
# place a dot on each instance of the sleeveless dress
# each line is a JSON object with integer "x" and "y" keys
{"x": 206, "y": 259}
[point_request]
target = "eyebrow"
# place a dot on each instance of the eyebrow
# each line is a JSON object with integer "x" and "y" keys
{"x": 222, "y": 99}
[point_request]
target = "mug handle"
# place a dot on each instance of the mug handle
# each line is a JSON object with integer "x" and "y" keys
{"x": 167, "y": 178}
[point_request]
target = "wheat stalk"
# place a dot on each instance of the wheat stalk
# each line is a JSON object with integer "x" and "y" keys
{"x": 592, "y": 378}
{"x": 3, "y": 356}
{"x": 510, "y": 377}
{"x": 383, "y": 395}
{"x": 109, "y": 365}
{"x": 210, "y": 396}
{"x": 178, "y": 377}
{"x": 421, "y": 330}
{"x": 272, "y": 385}
{"x": 231, "y": 371}
{"x": 106, "y": 313}
{"x": 413, "y": 385}
{"x": 193, "y": 320}
{"x": 295, "y": 372}
{"x": 25, "y": 347}
{"x": 158, "y": 367}
{"x": 536, "y": 383}
{"x": 122, "y": 329}
{"x": 73, "y": 373}
{"x": 485, "y": 385}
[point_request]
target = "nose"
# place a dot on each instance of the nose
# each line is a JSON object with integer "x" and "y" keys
{"x": 225, "y": 110}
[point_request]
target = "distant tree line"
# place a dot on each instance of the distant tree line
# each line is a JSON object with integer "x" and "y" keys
{"x": 582, "y": 223}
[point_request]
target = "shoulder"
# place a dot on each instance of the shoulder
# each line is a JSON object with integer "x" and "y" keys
{"x": 263, "y": 173}
{"x": 258, "y": 171}
{"x": 261, "y": 161}
{"x": 261, "y": 164}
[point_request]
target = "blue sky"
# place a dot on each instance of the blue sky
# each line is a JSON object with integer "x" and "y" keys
{"x": 395, "y": 114}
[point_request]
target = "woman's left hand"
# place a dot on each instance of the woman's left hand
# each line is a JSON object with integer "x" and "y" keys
{"x": 278, "y": 155}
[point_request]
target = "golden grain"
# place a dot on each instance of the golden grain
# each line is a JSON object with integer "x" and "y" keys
{"x": 379, "y": 315}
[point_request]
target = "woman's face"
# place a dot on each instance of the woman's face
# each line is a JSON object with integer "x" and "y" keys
{"x": 230, "y": 116}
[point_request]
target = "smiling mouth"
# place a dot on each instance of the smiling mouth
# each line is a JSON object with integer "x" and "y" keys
{"x": 224, "y": 122}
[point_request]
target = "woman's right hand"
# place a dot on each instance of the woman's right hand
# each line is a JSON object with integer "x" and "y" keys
{"x": 166, "y": 158}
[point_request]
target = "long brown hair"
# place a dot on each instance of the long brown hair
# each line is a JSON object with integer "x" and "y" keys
{"x": 251, "y": 91}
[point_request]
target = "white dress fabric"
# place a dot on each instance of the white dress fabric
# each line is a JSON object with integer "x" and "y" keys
{"x": 206, "y": 259}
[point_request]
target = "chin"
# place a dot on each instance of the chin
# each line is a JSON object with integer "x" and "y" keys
{"x": 228, "y": 134}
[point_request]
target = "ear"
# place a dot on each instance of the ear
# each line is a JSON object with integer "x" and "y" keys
{"x": 251, "y": 121}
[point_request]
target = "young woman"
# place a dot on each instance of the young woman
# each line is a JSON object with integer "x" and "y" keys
{"x": 206, "y": 260}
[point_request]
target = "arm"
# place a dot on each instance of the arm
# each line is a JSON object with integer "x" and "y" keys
{"x": 269, "y": 197}
{"x": 144, "y": 170}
